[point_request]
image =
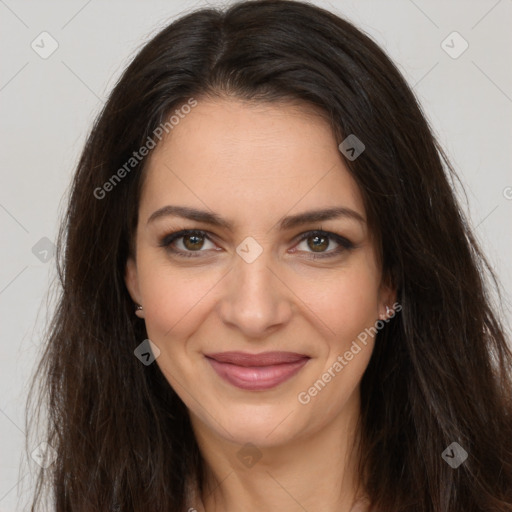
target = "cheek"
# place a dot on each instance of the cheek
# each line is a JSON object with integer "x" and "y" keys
{"x": 173, "y": 297}
{"x": 349, "y": 308}
{"x": 177, "y": 299}
{"x": 174, "y": 306}
{"x": 344, "y": 303}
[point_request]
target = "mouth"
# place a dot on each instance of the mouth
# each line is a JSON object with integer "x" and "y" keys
{"x": 256, "y": 371}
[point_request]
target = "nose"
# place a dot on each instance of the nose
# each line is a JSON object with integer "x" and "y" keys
{"x": 256, "y": 299}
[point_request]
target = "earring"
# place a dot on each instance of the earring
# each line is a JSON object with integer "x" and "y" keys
{"x": 138, "y": 311}
{"x": 388, "y": 314}
{"x": 139, "y": 307}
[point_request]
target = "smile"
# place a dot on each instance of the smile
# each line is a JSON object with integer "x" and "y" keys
{"x": 256, "y": 372}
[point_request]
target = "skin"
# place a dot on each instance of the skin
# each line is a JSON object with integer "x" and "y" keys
{"x": 252, "y": 165}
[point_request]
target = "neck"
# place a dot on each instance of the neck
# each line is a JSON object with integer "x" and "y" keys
{"x": 314, "y": 471}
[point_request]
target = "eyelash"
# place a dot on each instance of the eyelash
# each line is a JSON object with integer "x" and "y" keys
{"x": 344, "y": 243}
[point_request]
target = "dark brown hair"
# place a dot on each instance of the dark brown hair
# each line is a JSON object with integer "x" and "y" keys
{"x": 440, "y": 370}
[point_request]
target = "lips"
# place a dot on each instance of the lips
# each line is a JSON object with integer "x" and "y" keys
{"x": 256, "y": 371}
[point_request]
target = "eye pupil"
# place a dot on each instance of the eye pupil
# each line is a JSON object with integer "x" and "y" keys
{"x": 316, "y": 245}
{"x": 195, "y": 244}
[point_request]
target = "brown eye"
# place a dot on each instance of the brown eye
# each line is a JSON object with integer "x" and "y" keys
{"x": 193, "y": 242}
{"x": 318, "y": 242}
{"x": 187, "y": 243}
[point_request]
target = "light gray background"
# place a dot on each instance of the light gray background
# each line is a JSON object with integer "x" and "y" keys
{"x": 48, "y": 105}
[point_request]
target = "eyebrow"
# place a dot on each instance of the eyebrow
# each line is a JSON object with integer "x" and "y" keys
{"x": 285, "y": 223}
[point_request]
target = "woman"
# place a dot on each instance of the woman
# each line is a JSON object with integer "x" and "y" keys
{"x": 270, "y": 297}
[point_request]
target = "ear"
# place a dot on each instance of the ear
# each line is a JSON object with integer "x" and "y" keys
{"x": 131, "y": 280}
{"x": 387, "y": 297}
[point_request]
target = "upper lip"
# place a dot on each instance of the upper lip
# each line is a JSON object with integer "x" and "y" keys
{"x": 261, "y": 359}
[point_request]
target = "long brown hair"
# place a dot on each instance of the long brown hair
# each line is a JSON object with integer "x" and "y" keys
{"x": 440, "y": 370}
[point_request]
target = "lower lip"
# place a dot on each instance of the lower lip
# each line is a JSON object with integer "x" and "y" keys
{"x": 256, "y": 378}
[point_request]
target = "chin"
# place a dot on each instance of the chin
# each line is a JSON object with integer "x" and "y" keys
{"x": 265, "y": 425}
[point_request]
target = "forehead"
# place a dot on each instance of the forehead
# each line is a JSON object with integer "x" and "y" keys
{"x": 247, "y": 159}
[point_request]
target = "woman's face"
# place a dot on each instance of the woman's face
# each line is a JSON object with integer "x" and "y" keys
{"x": 246, "y": 282}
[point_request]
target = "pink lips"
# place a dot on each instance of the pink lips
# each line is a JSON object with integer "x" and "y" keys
{"x": 256, "y": 371}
